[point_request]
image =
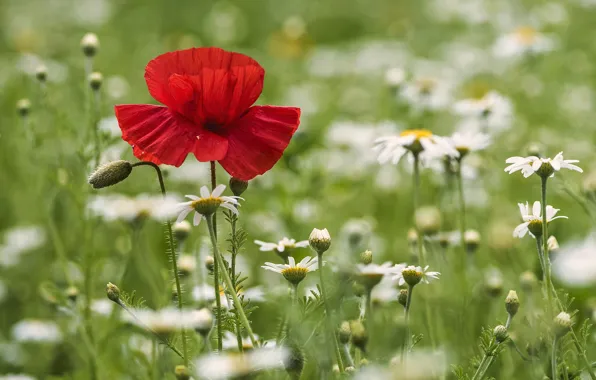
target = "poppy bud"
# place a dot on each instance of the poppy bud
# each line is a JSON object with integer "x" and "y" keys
{"x": 366, "y": 257}
{"x": 319, "y": 240}
{"x": 95, "y": 81}
{"x": 110, "y": 174}
{"x": 238, "y": 186}
{"x": 23, "y": 107}
{"x": 113, "y": 292}
{"x": 41, "y": 73}
{"x": 500, "y": 333}
{"x": 181, "y": 373}
{"x": 90, "y": 44}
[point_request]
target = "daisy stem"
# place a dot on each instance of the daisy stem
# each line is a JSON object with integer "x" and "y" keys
{"x": 340, "y": 363}
{"x": 346, "y": 350}
{"x": 172, "y": 251}
{"x": 553, "y": 360}
{"x": 234, "y": 219}
{"x": 416, "y": 196}
{"x": 406, "y": 321}
{"x": 545, "y": 258}
{"x": 216, "y": 268}
{"x": 95, "y": 125}
{"x": 228, "y": 281}
{"x": 462, "y": 209}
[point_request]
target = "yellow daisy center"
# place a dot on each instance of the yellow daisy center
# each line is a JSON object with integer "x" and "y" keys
{"x": 206, "y": 206}
{"x": 526, "y": 35}
{"x": 416, "y": 147}
{"x": 294, "y": 274}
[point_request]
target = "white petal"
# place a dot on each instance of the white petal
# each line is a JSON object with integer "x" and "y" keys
{"x": 205, "y": 192}
{"x": 230, "y": 207}
{"x": 218, "y": 191}
{"x": 521, "y": 230}
{"x": 536, "y": 209}
{"x": 196, "y": 219}
{"x": 291, "y": 261}
{"x": 193, "y": 197}
{"x": 183, "y": 215}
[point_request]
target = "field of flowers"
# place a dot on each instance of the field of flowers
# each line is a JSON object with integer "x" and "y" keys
{"x": 297, "y": 189}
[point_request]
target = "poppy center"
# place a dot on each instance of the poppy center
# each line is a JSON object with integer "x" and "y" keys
{"x": 212, "y": 126}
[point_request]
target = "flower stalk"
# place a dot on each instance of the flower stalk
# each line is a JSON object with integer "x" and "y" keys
{"x": 416, "y": 196}
{"x": 216, "y": 269}
{"x": 545, "y": 257}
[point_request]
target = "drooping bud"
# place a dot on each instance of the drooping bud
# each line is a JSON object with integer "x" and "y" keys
{"x": 209, "y": 263}
{"x": 95, "y": 81}
{"x": 182, "y": 230}
{"x": 72, "y": 293}
{"x": 319, "y": 240}
{"x": 471, "y": 240}
{"x": 24, "y": 107}
{"x": 182, "y": 373}
{"x": 512, "y": 303}
{"x": 238, "y": 186}
{"x": 528, "y": 281}
{"x": 359, "y": 335}
{"x": 41, "y": 73}
{"x": 562, "y": 324}
{"x": 500, "y": 333}
{"x": 113, "y": 292}
{"x": 90, "y": 44}
{"x": 366, "y": 257}
{"x": 110, "y": 174}
{"x": 428, "y": 220}
{"x": 345, "y": 333}
{"x": 402, "y": 298}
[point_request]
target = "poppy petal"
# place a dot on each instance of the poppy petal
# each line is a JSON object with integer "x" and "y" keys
{"x": 225, "y": 84}
{"x": 258, "y": 139}
{"x": 156, "y": 134}
{"x": 210, "y": 146}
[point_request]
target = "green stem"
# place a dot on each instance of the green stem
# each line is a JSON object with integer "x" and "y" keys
{"x": 330, "y": 328}
{"x": 172, "y": 251}
{"x": 154, "y": 364}
{"x": 94, "y": 125}
{"x": 553, "y": 359}
{"x": 406, "y": 321}
{"x": 547, "y": 270}
{"x": 346, "y": 351}
{"x": 216, "y": 269}
{"x": 234, "y": 219}
{"x": 416, "y": 196}
{"x": 462, "y": 210}
{"x": 226, "y": 277}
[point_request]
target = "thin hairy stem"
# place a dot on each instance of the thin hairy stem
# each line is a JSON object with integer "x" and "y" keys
{"x": 216, "y": 270}
{"x": 416, "y": 200}
{"x": 406, "y": 344}
{"x": 553, "y": 358}
{"x": 547, "y": 270}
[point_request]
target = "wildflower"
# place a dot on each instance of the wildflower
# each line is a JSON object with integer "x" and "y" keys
{"x": 95, "y": 81}
{"x": 230, "y": 342}
{"x": 293, "y": 272}
{"x": 90, "y": 44}
{"x": 369, "y": 275}
{"x": 19, "y": 240}
{"x": 33, "y": 330}
{"x": 186, "y": 264}
{"x": 544, "y": 167}
{"x": 419, "y": 142}
{"x": 562, "y": 324}
{"x": 208, "y": 93}
{"x": 426, "y": 93}
{"x": 533, "y": 221}
{"x": 284, "y": 245}
{"x": 319, "y": 240}
{"x": 575, "y": 263}
{"x": 207, "y": 204}
{"x": 469, "y": 141}
{"x": 181, "y": 230}
{"x": 412, "y": 275}
{"x": 219, "y": 366}
{"x": 166, "y": 320}
{"x": 113, "y": 207}
{"x": 471, "y": 240}
{"x": 490, "y": 113}
{"x": 522, "y": 41}
{"x": 203, "y": 321}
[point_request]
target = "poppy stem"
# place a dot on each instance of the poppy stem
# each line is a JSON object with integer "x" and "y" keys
{"x": 172, "y": 252}
{"x": 216, "y": 269}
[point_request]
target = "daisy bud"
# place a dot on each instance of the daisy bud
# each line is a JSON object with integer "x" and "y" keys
{"x": 402, "y": 298}
{"x": 494, "y": 283}
{"x": 95, "y": 81}
{"x": 294, "y": 361}
{"x": 534, "y": 149}
{"x": 72, "y": 293}
{"x": 203, "y": 321}
{"x": 366, "y": 257}
{"x": 412, "y": 237}
{"x": 562, "y": 324}
{"x": 182, "y": 230}
{"x": 113, "y": 292}
{"x": 319, "y": 240}
{"x": 344, "y": 333}
{"x": 428, "y": 220}
{"x": 412, "y": 276}
{"x": 181, "y": 373}
{"x": 444, "y": 240}
{"x": 359, "y": 335}
{"x": 110, "y": 174}
{"x": 41, "y": 73}
{"x": 528, "y": 281}
{"x": 238, "y": 186}
{"x": 90, "y": 44}
{"x": 209, "y": 263}
{"x": 512, "y": 303}
{"x": 553, "y": 244}
{"x": 186, "y": 264}
{"x": 500, "y": 333}
{"x": 24, "y": 107}
{"x": 471, "y": 240}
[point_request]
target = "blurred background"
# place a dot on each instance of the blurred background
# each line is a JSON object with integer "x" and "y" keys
{"x": 358, "y": 70}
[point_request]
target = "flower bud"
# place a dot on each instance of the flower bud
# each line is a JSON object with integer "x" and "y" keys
{"x": 319, "y": 240}
{"x": 412, "y": 276}
{"x": 402, "y": 298}
{"x": 553, "y": 244}
{"x": 366, "y": 257}
{"x": 110, "y": 174}
{"x": 512, "y": 303}
{"x": 528, "y": 281}
{"x": 562, "y": 324}
{"x": 238, "y": 186}
{"x": 182, "y": 230}
{"x": 500, "y": 333}
{"x": 72, "y": 293}
{"x": 534, "y": 149}
{"x": 471, "y": 240}
{"x": 444, "y": 240}
{"x": 359, "y": 335}
{"x": 186, "y": 264}
{"x": 95, "y": 81}
{"x": 493, "y": 283}
{"x": 395, "y": 77}
{"x": 428, "y": 220}
{"x": 41, "y": 73}
{"x": 209, "y": 263}
{"x": 113, "y": 292}
{"x": 181, "y": 372}
{"x": 90, "y": 44}
{"x": 203, "y": 321}
{"x": 24, "y": 107}
{"x": 358, "y": 289}
{"x": 345, "y": 333}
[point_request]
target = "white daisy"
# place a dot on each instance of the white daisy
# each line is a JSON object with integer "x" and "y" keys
{"x": 575, "y": 263}
{"x": 282, "y": 245}
{"x": 533, "y": 221}
{"x": 469, "y": 141}
{"x": 541, "y": 166}
{"x": 19, "y": 376}
{"x": 165, "y": 320}
{"x": 418, "y": 141}
{"x": 33, "y": 330}
{"x": 102, "y": 306}
{"x": 294, "y": 272}
{"x": 413, "y": 274}
{"x": 492, "y": 112}
{"x": 19, "y": 240}
{"x": 207, "y": 204}
{"x": 230, "y": 342}
{"x": 232, "y": 365}
{"x": 385, "y": 292}
{"x": 371, "y": 274}
{"x": 522, "y": 41}
{"x": 426, "y": 93}
{"x": 113, "y": 207}
{"x": 395, "y": 77}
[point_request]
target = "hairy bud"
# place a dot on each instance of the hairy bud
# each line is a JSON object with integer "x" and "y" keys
{"x": 110, "y": 174}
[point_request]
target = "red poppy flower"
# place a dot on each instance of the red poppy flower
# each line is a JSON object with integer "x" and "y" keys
{"x": 208, "y": 95}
